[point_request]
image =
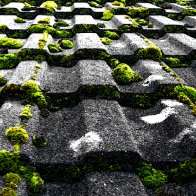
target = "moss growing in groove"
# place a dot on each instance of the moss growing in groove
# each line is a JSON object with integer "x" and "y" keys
{"x": 123, "y": 74}
{"x": 150, "y": 176}
{"x": 19, "y": 20}
{"x": 60, "y": 24}
{"x": 43, "y": 40}
{"x": 111, "y": 35}
{"x": 140, "y": 12}
{"x": 189, "y": 12}
{"x": 9, "y": 61}
{"x": 34, "y": 93}
{"x": 26, "y": 112}
{"x": 2, "y": 28}
{"x": 44, "y": 21}
{"x": 106, "y": 40}
{"x": 107, "y": 15}
{"x": 118, "y": 3}
{"x": 28, "y": 7}
{"x": 12, "y": 179}
{"x": 66, "y": 60}
{"x": 174, "y": 62}
{"x": 39, "y": 142}
{"x": 150, "y": 25}
{"x": 8, "y": 191}
{"x": 94, "y": 4}
{"x": 140, "y": 21}
{"x": 54, "y": 48}
{"x": 66, "y": 44}
{"x": 40, "y": 28}
{"x": 49, "y": 5}
{"x": 10, "y": 43}
{"x": 3, "y": 81}
{"x": 62, "y": 34}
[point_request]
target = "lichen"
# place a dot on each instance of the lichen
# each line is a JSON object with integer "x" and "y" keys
{"x": 111, "y": 35}
{"x": 123, "y": 74}
{"x": 106, "y": 40}
{"x": 27, "y": 7}
{"x": 66, "y": 44}
{"x": 39, "y": 141}
{"x": 2, "y": 28}
{"x": 107, "y": 15}
{"x": 10, "y": 43}
{"x": 19, "y": 20}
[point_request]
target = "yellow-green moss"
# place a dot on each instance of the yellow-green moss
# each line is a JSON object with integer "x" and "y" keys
{"x": 111, "y": 35}
{"x": 9, "y": 61}
{"x": 12, "y": 179}
{"x": 49, "y": 5}
{"x": 123, "y": 74}
{"x": 3, "y": 81}
{"x": 60, "y": 24}
{"x": 66, "y": 44}
{"x": 43, "y": 40}
{"x": 44, "y": 21}
{"x": 54, "y": 48}
{"x": 140, "y": 12}
{"x": 106, "y": 40}
{"x": 7, "y": 191}
{"x": 107, "y": 15}
{"x": 10, "y": 43}
{"x": 27, "y": 7}
{"x": 118, "y": 3}
{"x": 19, "y": 20}
{"x": 94, "y": 4}
{"x": 26, "y": 112}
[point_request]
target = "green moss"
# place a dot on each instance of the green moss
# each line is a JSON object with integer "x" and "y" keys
{"x": 174, "y": 62}
{"x": 62, "y": 34}
{"x": 123, "y": 74}
{"x": 39, "y": 142}
{"x": 113, "y": 62}
{"x": 34, "y": 93}
{"x": 111, "y": 35}
{"x": 60, "y": 24}
{"x": 134, "y": 22}
{"x": 106, "y": 40}
{"x": 9, "y": 61}
{"x": 118, "y": 3}
{"x": 26, "y": 112}
{"x": 54, "y": 48}
{"x": 36, "y": 183}
{"x": 16, "y": 135}
{"x": 189, "y": 12}
{"x": 7, "y": 191}
{"x": 107, "y": 15}
{"x": 151, "y": 177}
{"x": 49, "y": 5}
{"x": 140, "y": 12}
{"x": 12, "y": 179}
{"x": 40, "y": 28}
{"x": 44, "y": 21}
{"x": 10, "y": 43}
{"x": 27, "y": 7}
{"x": 141, "y": 21}
{"x": 150, "y": 25}
{"x": 3, "y": 81}
{"x": 94, "y": 4}
{"x": 66, "y": 44}
{"x": 66, "y": 60}
{"x": 43, "y": 40}
{"x": 2, "y": 28}
{"x": 19, "y": 20}
{"x": 152, "y": 52}
{"x": 142, "y": 101}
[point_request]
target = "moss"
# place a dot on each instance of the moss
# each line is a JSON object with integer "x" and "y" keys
{"x": 9, "y": 61}
{"x": 123, "y": 74}
{"x": 141, "y": 21}
{"x": 66, "y": 44}
{"x": 152, "y": 52}
{"x": 113, "y": 62}
{"x": 49, "y": 6}
{"x": 7, "y": 191}
{"x": 54, "y": 48}
{"x": 101, "y": 25}
{"x": 27, "y": 7}
{"x": 43, "y": 40}
{"x": 189, "y": 12}
{"x": 140, "y": 12}
{"x": 26, "y": 112}
{"x": 62, "y": 34}
{"x": 10, "y": 43}
{"x": 142, "y": 101}
{"x": 34, "y": 93}
{"x": 19, "y": 20}
{"x": 60, "y": 24}
{"x": 174, "y": 62}
{"x": 3, "y": 81}
{"x": 44, "y": 21}
{"x": 66, "y": 60}
{"x": 106, "y": 40}
{"x": 107, "y": 15}
{"x": 16, "y": 135}
{"x": 151, "y": 177}
{"x": 111, "y": 35}
{"x": 118, "y": 3}
{"x": 39, "y": 142}
{"x": 2, "y": 28}
{"x": 36, "y": 183}
{"x": 134, "y": 22}
{"x": 12, "y": 179}
{"x": 40, "y": 28}
{"x": 94, "y": 4}
{"x": 150, "y": 25}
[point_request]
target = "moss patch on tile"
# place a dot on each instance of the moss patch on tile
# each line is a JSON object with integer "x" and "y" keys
{"x": 106, "y": 40}
{"x": 10, "y": 43}
{"x": 66, "y": 44}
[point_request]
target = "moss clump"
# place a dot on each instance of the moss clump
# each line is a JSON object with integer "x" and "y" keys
{"x": 66, "y": 60}
{"x": 27, "y": 7}
{"x": 94, "y": 4}
{"x": 16, "y": 135}
{"x": 118, "y": 3}
{"x": 107, "y": 15}
{"x": 34, "y": 93}
{"x": 187, "y": 95}
{"x": 26, "y": 112}
{"x": 62, "y": 34}
{"x": 44, "y": 21}
{"x": 66, "y": 44}
{"x": 113, "y": 62}
{"x": 39, "y": 142}
{"x": 106, "y": 40}
{"x": 152, "y": 52}
{"x": 12, "y": 179}
{"x": 9, "y": 61}
{"x": 151, "y": 177}
{"x": 140, "y": 12}
{"x": 174, "y": 62}
{"x": 43, "y": 40}
{"x": 40, "y": 28}
{"x": 54, "y": 48}
{"x": 189, "y": 12}
{"x": 19, "y": 20}
{"x": 10, "y": 43}
{"x": 150, "y": 25}
{"x": 140, "y": 21}
{"x": 49, "y": 6}
{"x": 60, "y": 24}
{"x": 3, "y": 81}
{"x": 7, "y": 191}
{"x": 123, "y": 74}
{"x": 111, "y": 35}
{"x": 3, "y": 28}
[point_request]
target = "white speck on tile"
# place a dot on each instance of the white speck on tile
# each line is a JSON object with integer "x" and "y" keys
{"x": 86, "y": 143}
{"x": 152, "y": 78}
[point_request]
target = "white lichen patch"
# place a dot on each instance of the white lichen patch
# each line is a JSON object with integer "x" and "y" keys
{"x": 171, "y": 103}
{"x": 86, "y": 143}
{"x": 151, "y": 79}
{"x": 157, "y": 118}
